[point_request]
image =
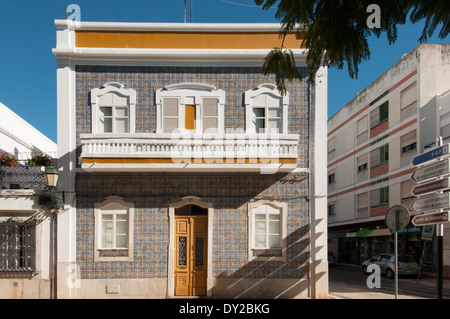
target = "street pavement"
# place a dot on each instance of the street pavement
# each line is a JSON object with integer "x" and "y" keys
{"x": 342, "y": 289}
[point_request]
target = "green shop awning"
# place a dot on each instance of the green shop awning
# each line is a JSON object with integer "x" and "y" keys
{"x": 374, "y": 232}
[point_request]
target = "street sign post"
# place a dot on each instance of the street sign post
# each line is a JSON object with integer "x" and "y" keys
{"x": 430, "y": 219}
{"x": 435, "y": 201}
{"x": 430, "y": 171}
{"x": 427, "y": 232}
{"x": 438, "y": 201}
{"x": 439, "y": 185}
{"x": 397, "y": 218}
{"x": 430, "y": 155}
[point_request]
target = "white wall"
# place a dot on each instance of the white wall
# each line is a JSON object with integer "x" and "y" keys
{"x": 20, "y": 138}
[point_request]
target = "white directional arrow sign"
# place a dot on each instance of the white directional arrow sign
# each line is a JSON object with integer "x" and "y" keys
{"x": 431, "y": 202}
{"x": 430, "y": 171}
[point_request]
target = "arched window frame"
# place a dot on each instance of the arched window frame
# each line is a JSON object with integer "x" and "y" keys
{"x": 258, "y": 98}
{"x": 190, "y": 93}
{"x": 113, "y": 254}
{"x": 113, "y": 88}
{"x": 255, "y": 253}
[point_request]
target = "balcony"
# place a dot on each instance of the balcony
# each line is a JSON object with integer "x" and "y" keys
{"x": 189, "y": 152}
{"x": 22, "y": 177}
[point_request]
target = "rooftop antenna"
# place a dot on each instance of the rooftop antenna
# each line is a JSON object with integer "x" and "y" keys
{"x": 185, "y": 11}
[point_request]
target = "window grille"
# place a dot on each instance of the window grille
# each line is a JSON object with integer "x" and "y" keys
{"x": 17, "y": 246}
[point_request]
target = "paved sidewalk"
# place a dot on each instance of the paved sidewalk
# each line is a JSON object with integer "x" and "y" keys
{"x": 345, "y": 291}
{"x": 339, "y": 290}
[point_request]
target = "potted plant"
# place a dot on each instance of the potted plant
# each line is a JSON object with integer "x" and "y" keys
{"x": 39, "y": 160}
{"x": 7, "y": 160}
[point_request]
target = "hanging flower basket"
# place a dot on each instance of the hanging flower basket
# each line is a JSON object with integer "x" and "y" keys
{"x": 7, "y": 160}
{"x": 39, "y": 160}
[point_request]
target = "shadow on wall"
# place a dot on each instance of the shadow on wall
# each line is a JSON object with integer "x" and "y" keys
{"x": 271, "y": 279}
{"x": 234, "y": 276}
{"x": 157, "y": 190}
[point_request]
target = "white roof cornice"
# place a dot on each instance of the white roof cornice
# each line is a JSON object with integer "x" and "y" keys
{"x": 146, "y": 26}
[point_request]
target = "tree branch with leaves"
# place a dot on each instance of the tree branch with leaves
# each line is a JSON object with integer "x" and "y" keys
{"x": 336, "y": 32}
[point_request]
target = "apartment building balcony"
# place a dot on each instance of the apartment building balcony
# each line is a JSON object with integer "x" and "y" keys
{"x": 189, "y": 152}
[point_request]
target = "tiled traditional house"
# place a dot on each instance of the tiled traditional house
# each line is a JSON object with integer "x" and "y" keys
{"x": 185, "y": 171}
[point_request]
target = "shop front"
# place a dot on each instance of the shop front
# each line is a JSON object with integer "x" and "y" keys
{"x": 354, "y": 247}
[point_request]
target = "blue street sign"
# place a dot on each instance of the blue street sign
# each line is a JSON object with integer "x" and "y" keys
{"x": 430, "y": 155}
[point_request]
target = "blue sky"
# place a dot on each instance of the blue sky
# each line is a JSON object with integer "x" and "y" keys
{"x": 28, "y": 34}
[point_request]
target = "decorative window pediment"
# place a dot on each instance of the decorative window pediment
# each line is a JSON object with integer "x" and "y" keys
{"x": 266, "y": 110}
{"x": 113, "y": 109}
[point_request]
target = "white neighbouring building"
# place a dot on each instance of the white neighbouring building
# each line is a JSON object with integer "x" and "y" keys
{"x": 21, "y": 139}
{"x": 25, "y": 228}
{"x": 371, "y": 142}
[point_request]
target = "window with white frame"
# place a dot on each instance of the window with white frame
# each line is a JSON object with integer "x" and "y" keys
{"x": 190, "y": 107}
{"x": 267, "y": 229}
{"x": 266, "y": 110}
{"x": 113, "y": 109}
{"x": 114, "y": 229}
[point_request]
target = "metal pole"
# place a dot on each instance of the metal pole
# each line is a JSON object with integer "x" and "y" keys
{"x": 440, "y": 247}
{"x": 421, "y": 258}
{"x": 396, "y": 252}
{"x": 440, "y": 259}
{"x": 53, "y": 254}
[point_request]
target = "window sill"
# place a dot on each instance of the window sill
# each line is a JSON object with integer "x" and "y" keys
{"x": 274, "y": 254}
{"x": 113, "y": 255}
{"x": 17, "y": 273}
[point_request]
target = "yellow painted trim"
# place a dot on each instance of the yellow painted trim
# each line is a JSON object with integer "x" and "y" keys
{"x": 189, "y": 117}
{"x": 186, "y": 161}
{"x": 184, "y": 40}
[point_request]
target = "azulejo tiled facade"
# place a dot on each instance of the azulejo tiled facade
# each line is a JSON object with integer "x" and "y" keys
{"x": 228, "y": 192}
{"x": 143, "y": 225}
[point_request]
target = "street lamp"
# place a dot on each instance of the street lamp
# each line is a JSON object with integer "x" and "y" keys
{"x": 51, "y": 177}
{"x": 51, "y": 180}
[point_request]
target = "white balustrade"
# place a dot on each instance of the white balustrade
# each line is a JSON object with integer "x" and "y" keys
{"x": 194, "y": 146}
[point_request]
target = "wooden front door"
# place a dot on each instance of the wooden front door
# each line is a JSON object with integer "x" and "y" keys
{"x": 191, "y": 253}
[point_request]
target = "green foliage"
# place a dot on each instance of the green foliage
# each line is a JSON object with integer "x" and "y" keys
{"x": 336, "y": 31}
{"x": 434, "y": 12}
{"x": 39, "y": 160}
{"x": 279, "y": 62}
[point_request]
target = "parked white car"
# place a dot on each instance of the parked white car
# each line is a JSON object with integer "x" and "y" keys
{"x": 407, "y": 265}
